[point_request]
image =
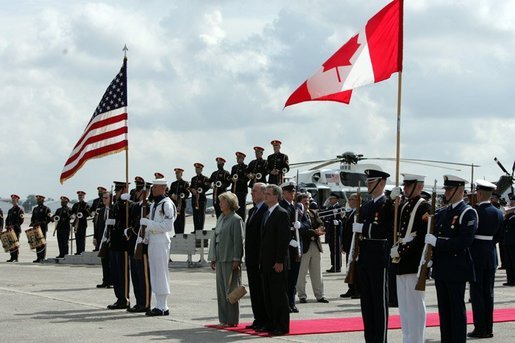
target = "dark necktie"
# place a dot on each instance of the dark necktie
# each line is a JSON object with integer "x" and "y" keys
{"x": 265, "y": 217}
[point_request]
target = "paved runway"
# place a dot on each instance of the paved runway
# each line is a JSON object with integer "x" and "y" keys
{"x": 59, "y": 303}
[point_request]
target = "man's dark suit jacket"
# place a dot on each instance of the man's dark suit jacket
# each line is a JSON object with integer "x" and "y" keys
{"x": 275, "y": 237}
{"x": 253, "y": 236}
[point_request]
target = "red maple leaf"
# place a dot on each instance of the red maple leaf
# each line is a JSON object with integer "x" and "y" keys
{"x": 342, "y": 57}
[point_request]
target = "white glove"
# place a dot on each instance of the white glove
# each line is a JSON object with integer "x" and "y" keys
{"x": 294, "y": 243}
{"x": 357, "y": 227}
{"x": 125, "y": 196}
{"x": 407, "y": 239}
{"x": 145, "y": 222}
{"x": 430, "y": 264}
{"x": 396, "y": 191}
{"x": 126, "y": 232}
{"x": 430, "y": 239}
{"x": 336, "y": 222}
{"x": 139, "y": 240}
{"x": 110, "y": 221}
{"x": 394, "y": 252}
{"x": 296, "y": 225}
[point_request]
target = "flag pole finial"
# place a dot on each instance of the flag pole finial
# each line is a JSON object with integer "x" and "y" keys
{"x": 125, "y": 49}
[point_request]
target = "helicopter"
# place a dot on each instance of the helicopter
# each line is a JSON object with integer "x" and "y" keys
{"x": 320, "y": 180}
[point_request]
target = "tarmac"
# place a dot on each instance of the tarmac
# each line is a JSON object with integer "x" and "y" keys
{"x": 49, "y": 302}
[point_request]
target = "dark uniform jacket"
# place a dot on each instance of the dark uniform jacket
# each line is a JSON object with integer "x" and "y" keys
{"x": 224, "y": 177}
{"x": 257, "y": 166}
{"x": 509, "y": 230}
{"x": 451, "y": 256}
{"x": 330, "y": 228}
{"x": 309, "y": 234}
{"x": 240, "y": 186}
{"x": 377, "y": 219}
{"x": 253, "y": 235}
{"x": 411, "y": 252}
{"x": 179, "y": 187}
{"x": 134, "y": 225}
{"x": 82, "y": 207}
{"x": 64, "y": 213}
{"x": 347, "y": 230}
{"x": 304, "y": 225}
{"x": 95, "y": 205}
{"x": 99, "y": 227}
{"x": 277, "y": 161}
{"x": 203, "y": 182}
{"x": 41, "y": 216}
{"x": 275, "y": 236}
{"x": 484, "y": 252}
{"x": 118, "y": 241}
{"x": 15, "y": 218}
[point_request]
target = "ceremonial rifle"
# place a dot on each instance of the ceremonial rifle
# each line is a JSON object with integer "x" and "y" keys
{"x": 138, "y": 249}
{"x": 427, "y": 253}
{"x": 352, "y": 270}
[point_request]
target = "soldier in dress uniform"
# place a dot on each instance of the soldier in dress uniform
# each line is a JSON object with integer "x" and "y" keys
{"x": 140, "y": 274}
{"x": 455, "y": 227}
{"x": 13, "y": 222}
{"x": 332, "y": 225}
{"x": 509, "y": 242}
{"x": 81, "y": 211}
{"x": 41, "y": 216}
{"x": 376, "y": 230}
{"x": 95, "y": 206}
{"x": 407, "y": 253}
{"x": 62, "y": 219}
{"x": 157, "y": 176}
{"x": 277, "y": 164}
{"x": 103, "y": 218}
{"x": 256, "y": 170}
{"x": 138, "y": 182}
{"x": 179, "y": 192}
{"x": 199, "y": 185}
{"x": 239, "y": 186}
{"x": 484, "y": 256}
{"x": 294, "y": 252}
{"x": 353, "y": 291}
{"x": 118, "y": 247}
{"x": 220, "y": 180}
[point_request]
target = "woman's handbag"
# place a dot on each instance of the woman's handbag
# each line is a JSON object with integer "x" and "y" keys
{"x": 236, "y": 294}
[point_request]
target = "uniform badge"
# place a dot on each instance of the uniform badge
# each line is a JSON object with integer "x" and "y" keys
{"x": 454, "y": 221}
{"x": 376, "y": 218}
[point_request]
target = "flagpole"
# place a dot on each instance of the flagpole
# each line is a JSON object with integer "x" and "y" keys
{"x": 125, "y": 49}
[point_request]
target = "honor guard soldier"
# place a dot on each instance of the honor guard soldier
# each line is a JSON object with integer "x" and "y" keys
{"x": 353, "y": 291}
{"x": 179, "y": 193}
{"x": 95, "y": 205}
{"x": 101, "y": 228}
{"x": 509, "y": 242}
{"x": 376, "y": 230}
{"x": 41, "y": 216}
{"x": 484, "y": 257}
{"x": 407, "y": 253}
{"x": 256, "y": 170}
{"x": 138, "y": 181}
{"x": 81, "y": 211}
{"x": 157, "y": 176}
{"x": 13, "y": 222}
{"x": 118, "y": 247}
{"x": 239, "y": 183}
{"x": 220, "y": 180}
{"x": 62, "y": 219}
{"x": 455, "y": 226}
{"x": 139, "y": 264}
{"x": 199, "y": 185}
{"x": 332, "y": 224}
{"x": 277, "y": 164}
{"x": 295, "y": 246}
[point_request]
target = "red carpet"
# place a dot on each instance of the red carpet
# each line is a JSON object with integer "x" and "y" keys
{"x": 332, "y": 325}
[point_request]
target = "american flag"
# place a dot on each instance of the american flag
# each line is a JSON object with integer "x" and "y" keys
{"x": 107, "y": 131}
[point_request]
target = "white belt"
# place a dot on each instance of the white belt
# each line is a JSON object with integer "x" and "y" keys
{"x": 484, "y": 238}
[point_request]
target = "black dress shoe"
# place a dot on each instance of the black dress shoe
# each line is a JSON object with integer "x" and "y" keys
{"x": 355, "y": 296}
{"x": 37, "y": 261}
{"x": 475, "y": 334}
{"x": 323, "y": 300}
{"x": 157, "y": 312}
{"x": 102, "y": 285}
{"x": 504, "y": 284}
{"x": 118, "y": 306}
{"x": 12, "y": 260}
{"x": 303, "y": 300}
{"x": 250, "y": 327}
{"x": 262, "y": 329}
{"x": 294, "y": 309}
{"x": 59, "y": 256}
{"x": 278, "y": 333}
{"x": 331, "y": 270}
{"x": 138, "y": 308}
{"x": 347, "y": 294}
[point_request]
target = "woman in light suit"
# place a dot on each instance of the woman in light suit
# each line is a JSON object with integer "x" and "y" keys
{"x": 225, "y": 254}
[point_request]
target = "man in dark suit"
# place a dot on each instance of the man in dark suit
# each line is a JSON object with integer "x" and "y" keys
{"x": 455, "y": 228}
{"x": 252, "y": 250}
{"x": 484, "y": 256}
{"x": 273, "y": 257}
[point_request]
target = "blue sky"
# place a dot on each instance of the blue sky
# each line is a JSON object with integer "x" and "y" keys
{"x": 209, "y": 78}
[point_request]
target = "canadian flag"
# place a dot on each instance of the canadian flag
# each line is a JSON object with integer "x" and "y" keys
{"x": 371, "y": 56}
